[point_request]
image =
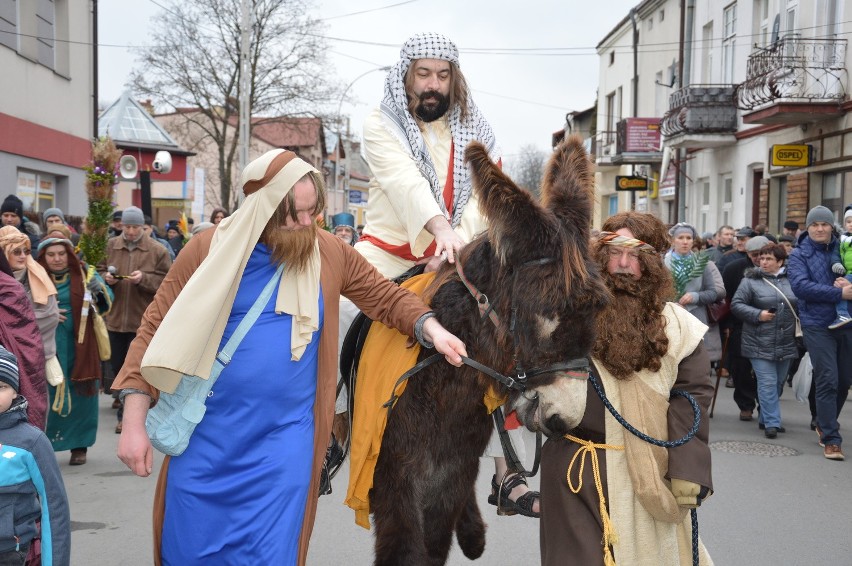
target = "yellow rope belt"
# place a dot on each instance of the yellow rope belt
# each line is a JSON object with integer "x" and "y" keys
{"x": 588, "y": 448}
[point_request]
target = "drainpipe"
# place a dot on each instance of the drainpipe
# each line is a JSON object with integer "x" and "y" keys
{"x": 687, "y": 17}
{"x": 95, "y": 69}
{"x": 634, "y": 21}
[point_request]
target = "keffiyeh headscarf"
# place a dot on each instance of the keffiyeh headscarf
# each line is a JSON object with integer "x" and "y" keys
{"x": 403, "y": 126}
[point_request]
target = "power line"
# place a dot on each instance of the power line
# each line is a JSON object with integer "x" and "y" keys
{"x": 367, "y": 11}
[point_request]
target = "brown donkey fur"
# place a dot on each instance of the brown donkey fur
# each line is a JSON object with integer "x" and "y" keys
{"x": 424, "y": 480}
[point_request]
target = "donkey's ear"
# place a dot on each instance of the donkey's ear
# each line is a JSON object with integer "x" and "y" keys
{"x": 517, "y": 224}
{"x": 568, "y": 185}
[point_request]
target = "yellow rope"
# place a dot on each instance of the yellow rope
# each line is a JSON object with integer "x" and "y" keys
{"x": 59, "y": 402}
{"x": 588, "y": 447}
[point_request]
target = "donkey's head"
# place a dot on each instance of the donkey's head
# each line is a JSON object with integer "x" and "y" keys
{"x": 543, "y": 286}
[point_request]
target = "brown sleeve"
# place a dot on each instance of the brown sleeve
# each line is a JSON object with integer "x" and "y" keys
{"x": 691, "y": 461}
{"x": 184, "y": 266}
{"x": 379, "y": 298}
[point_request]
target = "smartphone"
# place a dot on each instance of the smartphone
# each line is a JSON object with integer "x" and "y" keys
{"x": 772, "y": 310}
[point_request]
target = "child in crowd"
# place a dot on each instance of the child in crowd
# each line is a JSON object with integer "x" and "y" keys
{"x": 841, "y": 264}
{"x": 30, "y": 483}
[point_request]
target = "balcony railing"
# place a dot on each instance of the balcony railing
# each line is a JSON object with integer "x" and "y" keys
{"x": 701, "y": 109}
{"x": 604, "y": 147}
{"x": 795, "y": 70}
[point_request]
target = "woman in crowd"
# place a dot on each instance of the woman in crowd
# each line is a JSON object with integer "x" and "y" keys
{"x": 40, "y": 290}
{"x": 218, "y": 215}
{"x": 765, "y": 303}
{"x": 73, "y": 421}
{"x": 698, "y": 282}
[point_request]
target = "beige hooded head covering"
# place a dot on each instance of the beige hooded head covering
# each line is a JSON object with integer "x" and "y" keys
{"x": 188, "y": 338}
{"x": 41, "y": 286}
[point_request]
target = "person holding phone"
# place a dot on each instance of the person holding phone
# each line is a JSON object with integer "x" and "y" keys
{"x": 765, "y": 303}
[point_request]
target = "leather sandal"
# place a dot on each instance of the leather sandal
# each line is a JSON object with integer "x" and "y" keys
{"x": 523, "y": 505}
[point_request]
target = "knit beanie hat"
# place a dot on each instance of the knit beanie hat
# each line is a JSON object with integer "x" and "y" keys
{"x": 52, "y": 212}
{"x": 9, "y": 368}
{"x": 756, "y": 243}
{"x": 132, "y": 216}
{"x": 13, "y": 204}
{"x": 847, "y": 214}
{"x": 116, "y": 215}
{"x": 819, "y": 214}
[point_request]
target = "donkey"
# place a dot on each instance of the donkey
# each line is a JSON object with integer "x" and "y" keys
{"x": 543, "y": 292}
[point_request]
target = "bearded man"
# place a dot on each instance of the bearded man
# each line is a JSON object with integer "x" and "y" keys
{"x": 245, "y": 490}
{"x": 421, "y": 199}
{"x": 644, "y": 348}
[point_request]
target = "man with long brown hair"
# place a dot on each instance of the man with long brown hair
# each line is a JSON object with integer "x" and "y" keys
{"x": 245, "y": 489}
{"x": 632, "y": 495}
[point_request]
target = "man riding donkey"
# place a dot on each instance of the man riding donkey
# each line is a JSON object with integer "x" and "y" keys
{"x": 422, "y": 208}
{"x": 601, "y": 485}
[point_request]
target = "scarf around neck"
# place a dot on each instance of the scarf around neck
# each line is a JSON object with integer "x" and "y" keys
{"x": 403, "y": 126}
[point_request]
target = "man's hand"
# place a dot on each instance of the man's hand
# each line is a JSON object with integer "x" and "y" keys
{"x": 446, "y": 239}
{"x": 134, "y": 446}
{"x": 110, "y": 280}
{"x": 445, "y": 342}
{"x": 135, "y": 277}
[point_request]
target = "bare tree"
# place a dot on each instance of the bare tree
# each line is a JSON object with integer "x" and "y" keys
{"x": 192, "y": 67}
{"x": 528, "y": 167}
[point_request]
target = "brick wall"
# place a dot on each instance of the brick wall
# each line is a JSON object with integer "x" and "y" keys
{"x": 763, "y": 202}
{"x": 797, "y": 197}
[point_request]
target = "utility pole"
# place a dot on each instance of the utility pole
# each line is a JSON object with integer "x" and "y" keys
{"x": 245, "y": 87}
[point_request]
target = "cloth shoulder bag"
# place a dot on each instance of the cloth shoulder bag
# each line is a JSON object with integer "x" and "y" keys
{"x": 171, "y": 422}
{"x": 799, "y": 332}
{"x": 101, "y": 335}
{"x": 718, "y": 311}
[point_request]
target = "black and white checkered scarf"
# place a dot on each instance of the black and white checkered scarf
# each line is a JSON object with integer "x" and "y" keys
{"x": 403, "y": 126}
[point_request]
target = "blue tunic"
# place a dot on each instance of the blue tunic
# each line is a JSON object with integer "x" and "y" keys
{"x": 237, "y": 494}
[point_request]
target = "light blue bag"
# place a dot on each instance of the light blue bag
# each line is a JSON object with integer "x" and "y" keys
{"x": 173, "y": 419}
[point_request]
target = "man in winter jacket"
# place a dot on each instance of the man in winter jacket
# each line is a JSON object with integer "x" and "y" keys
{"x": 818, "y": 290}
{"x": 30, "y": 483}
{"x": 12, "y": 213}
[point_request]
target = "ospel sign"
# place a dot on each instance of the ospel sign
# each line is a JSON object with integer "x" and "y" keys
{"x": 791, "y": 155}
{"x": 624, "y": 183}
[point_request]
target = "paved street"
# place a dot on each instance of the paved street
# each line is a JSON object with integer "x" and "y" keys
{"x": 788, "y": 510}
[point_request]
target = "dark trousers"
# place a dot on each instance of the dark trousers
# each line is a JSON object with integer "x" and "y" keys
{"x": 15, "y": 557}
{"x": 745, "y": 385}
{"x": 831, "y": 353}
{"x": 119, "y": 343}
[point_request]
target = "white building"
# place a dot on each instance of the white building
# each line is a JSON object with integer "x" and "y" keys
{"x": 47, "y": 111}
{"x": 747, "y": 76}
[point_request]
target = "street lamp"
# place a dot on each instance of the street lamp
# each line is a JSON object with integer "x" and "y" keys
{"x": 337, "y": 153}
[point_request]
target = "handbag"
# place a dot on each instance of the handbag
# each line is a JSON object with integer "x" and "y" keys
{"x": 799, "y": 332}
{"x": 171, "y": 422}
{"x": 718, "y": 311}
{"x": 101, "y": 336}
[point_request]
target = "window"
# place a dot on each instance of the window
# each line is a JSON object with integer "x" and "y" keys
{"x": 762, "y": 25}
{"x": 611, "y": 57}
{"x": 782, "y": 202}
{"x": 45, "y": 30}
{"x": 728, "y": 42}
{"x": 707, "y": 54}
{"x": 662, "y": 15}
{"x": 791, "y": 17}
{"x": 649, "y": 23}
{"x": 726, "y": 201}
{"x": 611, "y": 116}
{"x": 36, "y": 190}
{"x": 9, "y": 23}
{"x": 613, "y": 205}
{"x": 704, "y": 209}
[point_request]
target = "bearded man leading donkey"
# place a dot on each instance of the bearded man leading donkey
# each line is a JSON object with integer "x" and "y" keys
{"x": 422, "y": 208}
{"x": 608, "y": 497}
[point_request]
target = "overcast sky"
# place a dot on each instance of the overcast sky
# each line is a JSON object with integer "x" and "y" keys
{"x": 524, "y": 95}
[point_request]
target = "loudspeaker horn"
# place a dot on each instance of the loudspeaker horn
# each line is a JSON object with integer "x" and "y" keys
{"x": 128, "y": 168}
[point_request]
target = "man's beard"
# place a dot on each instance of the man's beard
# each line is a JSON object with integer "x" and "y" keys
{"x": 290, "y": 247}
{"x": 440, "y": 106}
{"x": 631, "y": 329}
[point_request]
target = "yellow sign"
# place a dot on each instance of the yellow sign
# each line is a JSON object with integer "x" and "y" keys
{"x": 791, "y": 155}
{"x": 630, "y": 183}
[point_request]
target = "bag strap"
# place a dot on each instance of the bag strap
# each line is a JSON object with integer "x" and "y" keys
{"x": 786, "y": 300}
{"x": 225, "y": 354}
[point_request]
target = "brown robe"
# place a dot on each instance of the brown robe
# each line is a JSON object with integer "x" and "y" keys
{"x": 571, "y": 526}
{"x": 343, "y": 272}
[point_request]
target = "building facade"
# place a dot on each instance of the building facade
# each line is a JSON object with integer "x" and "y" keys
{"x": 46, "y": 58}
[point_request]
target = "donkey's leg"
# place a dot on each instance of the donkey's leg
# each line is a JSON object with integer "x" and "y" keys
{"x": 395, "y": 501}
{"x": 470, "y": 528}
